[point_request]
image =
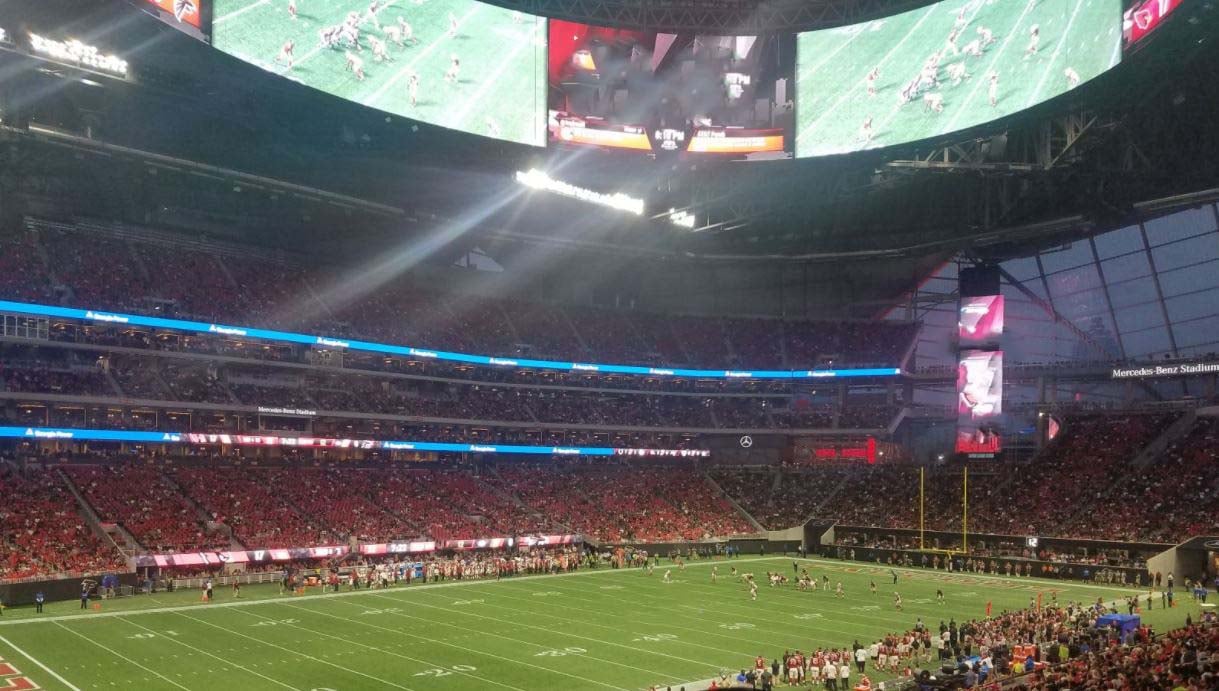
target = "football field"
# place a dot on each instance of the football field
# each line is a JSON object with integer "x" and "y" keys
{"x": 499, "y": 89}
{"x": 1077, "y": 40}
{"x": 593, "y": 629}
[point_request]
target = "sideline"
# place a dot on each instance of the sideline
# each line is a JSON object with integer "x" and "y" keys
{"x": 958, "y": 577}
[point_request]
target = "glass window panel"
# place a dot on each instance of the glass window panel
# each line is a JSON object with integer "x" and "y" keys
{"x": 1083, "y": 304}
{"x": 1073, "y": 280}
{"x": 1077, "y": 254}
{"x": 1147, "y": 343}
{"x": 1186, "y": 252}
{"x": 1022, "y": 269}
{"x": 1206, "y": 349}
{"x": 1181, "y": 224}
{"x": 1190, "y": 279}
{"x": 1192, "y": 306}
{"x": 1132, "y": 292}
{"x": 1126, "y": 267}
{"x": 1196, "y": 331}
{"x": 1121, "y": 241}
{"x": 1139, "y": 317}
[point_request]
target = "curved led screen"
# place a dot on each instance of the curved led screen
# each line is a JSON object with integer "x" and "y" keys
{"x": 945, "y": 67}
{"x": 461, "y": 64}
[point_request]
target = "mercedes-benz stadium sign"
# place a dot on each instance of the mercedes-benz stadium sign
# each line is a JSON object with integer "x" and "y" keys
{"x": 1182, "y": 369}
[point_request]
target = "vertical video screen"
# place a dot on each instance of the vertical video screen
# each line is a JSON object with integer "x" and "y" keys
{"x": 979, "y": 401}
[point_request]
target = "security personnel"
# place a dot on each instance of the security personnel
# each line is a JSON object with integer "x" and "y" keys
{"x": 39, "y": 599}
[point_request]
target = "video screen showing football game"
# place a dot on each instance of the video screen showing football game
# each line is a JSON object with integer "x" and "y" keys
{"x": 663, "y": 93}
{"x": 946, "y": 67}
{"x": 460, "y": 64}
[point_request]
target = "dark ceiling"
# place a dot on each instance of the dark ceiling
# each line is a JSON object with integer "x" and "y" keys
{"x": 1150, "y": 132}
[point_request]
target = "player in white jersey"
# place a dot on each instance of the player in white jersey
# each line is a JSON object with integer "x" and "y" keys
{"x": 865, "y": 135}
{"x": 517, "y": 17}
{"x": 292, "y": 9}
{"x": 408, "y": 33}
{"x": 355, "y": 65}
{"x": 373, "y": 9}
{"x": 753, "y": 590}
{"x": 1034, "y": 41}
{"x": 393, "y": 34}
{"x": 667, "y": 578}
{"x": 951, "y": 45}
{"x": 1072, "y": 77}
{"x": 986, "y": 35}
{"x": 380, "y": 53}
{"x": 957, "y": 73}
{"x": 715, "y": 573}
{"x": 870, "y": 80}
{"x": 930, "y": 77}
{"x": 908, "y": 93}
{"x": 993, "y": 89}
{"x": 961, "y": 19}
{"x": 838, "y": 590}
{"x": 973, "y": 48}
{"x": 329, "y": 36}
{"x": 285, "y": 54}
{"x": 452, "y": 25}
{"x": 897, "y": 600}
{"x": 412, "y": 87}
{"x": 453, "y": 71}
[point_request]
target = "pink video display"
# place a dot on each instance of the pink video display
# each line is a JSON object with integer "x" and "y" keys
{"x": 979, "y": 401}
{"x": 980, "y": 319}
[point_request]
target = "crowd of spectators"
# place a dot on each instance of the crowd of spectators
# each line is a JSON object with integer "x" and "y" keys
{"x": 1177, "y": 493}
{"x": 1187, "y": 658}
{"x": 780, "y": 499}
{"x": 36, "y": 378}
{"x": 145, "y": 503}
{"x": 258, "y": 514}
{"x": 41, "y": 531}
{"x": 1072, "y": 478}
{"x": 103, "y": 271}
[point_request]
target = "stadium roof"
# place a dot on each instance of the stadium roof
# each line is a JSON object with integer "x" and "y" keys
{"x": 1144, "y": 131}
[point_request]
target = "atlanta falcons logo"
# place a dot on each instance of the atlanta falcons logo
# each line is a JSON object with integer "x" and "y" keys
{"x": 184, "y": 8}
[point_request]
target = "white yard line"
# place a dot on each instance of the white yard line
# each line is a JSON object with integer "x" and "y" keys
{"x": 409, "y": 67}
{"x": 486, "y": 85}
{"x": 235, "y": 13}
{"x": 214, "y": 657}
{"x": 848, "y": 93}
{"x": 436, "y": 641}
{"x": 44, "y": 668}
{"x": 121, "y": 656}
{"x": 1066, "y": 35}
{"x": 543, "y": 646}
{"x": 297, "y": 652}
{"x": 602, "y": 571}
{"x": 328, "y": 596}
{"x": 319, "y": 48}
{"x": 990, "y": 66}
{"x": 542, "y": 628}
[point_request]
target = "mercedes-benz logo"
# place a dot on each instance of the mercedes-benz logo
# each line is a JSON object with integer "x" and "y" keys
{"x": 746, "y": 441}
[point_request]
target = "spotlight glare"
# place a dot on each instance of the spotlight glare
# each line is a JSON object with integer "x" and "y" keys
{"x": 536, "y": 179}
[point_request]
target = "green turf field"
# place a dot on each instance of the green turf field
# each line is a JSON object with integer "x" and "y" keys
{"x": 832, "y": 100}
{"x": 594, "y": 629}
{"x": 500, "y": 91}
